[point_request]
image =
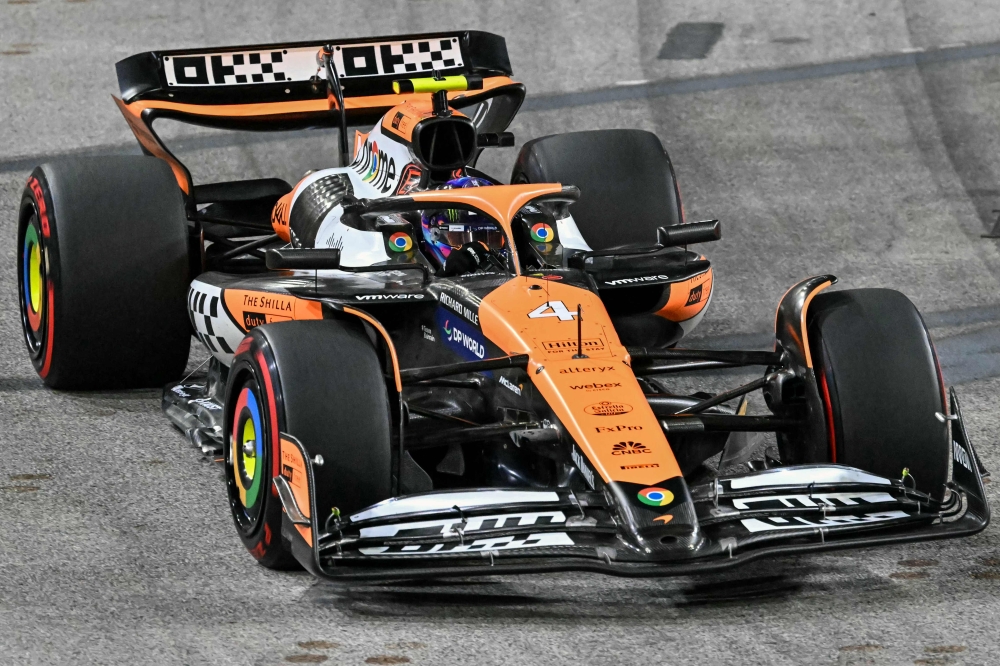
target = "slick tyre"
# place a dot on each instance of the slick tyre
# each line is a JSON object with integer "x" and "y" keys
{"x": 612, "y": 211}
{"x": 881, "y": 386}
{"x": 102, "y": 270}
{"x": 322, "y": 383}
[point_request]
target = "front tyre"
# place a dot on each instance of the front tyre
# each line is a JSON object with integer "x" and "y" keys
{"x": 321, "y": 382}
{"x": 881, "y": 386}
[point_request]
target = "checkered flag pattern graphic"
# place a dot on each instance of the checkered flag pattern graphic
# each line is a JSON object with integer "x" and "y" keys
{"x": 417, "y": 57}
{"x": 241, "y": 67}
{"x": 212, "y": 325}
{"x": 422, "y": 56}
{"x": 248, "y": 67}
{"x": 284, "y": 65}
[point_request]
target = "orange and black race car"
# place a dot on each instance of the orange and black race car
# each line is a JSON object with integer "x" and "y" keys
{"x": 417, "y": 370}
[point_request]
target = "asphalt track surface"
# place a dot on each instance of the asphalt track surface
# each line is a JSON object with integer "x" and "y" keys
{"x": 856, "y": 138}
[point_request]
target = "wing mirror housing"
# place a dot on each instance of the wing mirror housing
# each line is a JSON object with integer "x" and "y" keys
{"x": 689, "y": 234}
{"x": 302, "y": 259}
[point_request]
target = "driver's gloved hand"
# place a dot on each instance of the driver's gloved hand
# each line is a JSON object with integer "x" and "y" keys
{"x": 467, "y": 259}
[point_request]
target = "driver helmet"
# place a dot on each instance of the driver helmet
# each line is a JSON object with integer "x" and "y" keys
{"x": 447, "y": 230}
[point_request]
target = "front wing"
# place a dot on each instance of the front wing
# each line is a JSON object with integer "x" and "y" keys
{"x": 502, "y": 531}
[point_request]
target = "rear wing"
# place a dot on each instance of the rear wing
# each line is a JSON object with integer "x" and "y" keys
{"x": 273, "y": 87}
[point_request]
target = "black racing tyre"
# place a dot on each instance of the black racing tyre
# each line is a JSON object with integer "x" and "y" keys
{"x": 881, "y": 386}
{"x": 626, "y": 181}
{"x": 103, "y": 273}
{"x": 322, "y": 383}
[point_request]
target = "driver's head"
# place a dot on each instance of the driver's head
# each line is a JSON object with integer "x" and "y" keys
{"x": 448, "y": 230}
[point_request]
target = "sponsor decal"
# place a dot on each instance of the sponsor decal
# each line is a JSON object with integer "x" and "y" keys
{"x": 400, "y": 242}
{"x": 464, "y": 340}
{"x": 179, "y": 390}
{"x": 542, "y": 233}
{"x": 812, "y": 501}
{"x": 253, "y": 319}
{"x": 556, "y": 309}
{"x": 582, "y": 465}
{"x": 617, "y": 428}
{"x": 510, "y": 385}
{"x": 694, "y": 296}
{"x": 409, "y": 58}
{"x": 634, "y": 280}
{"x": 596, "y": 368}
{"x": 589, "y": 344}
{"x": 629, "y": 448}
{"x": 36, "y": 190}
{"x": 452, "y": 526}
{"x": 655, "y": 496}
{"x": 665, "y": 518}
{"x": 395, "y": 119}
{"x": 208, "y": 404}
{"x": 595, "y": 386}
{"x": 641, "y": 466}
{"x": 961, "y": 455}
{"x": 267, "y": 303}
{"x": 428, "y": 333}
{"x": 375, "y": 167}
{"x": 389, "y": 297}
{"x": 774, "y": 523}
{"x": 608, "y": 408}
{"x": 409, "y": 180}
{"x": 457, "y": 306}
{"x": 543, "y": 540}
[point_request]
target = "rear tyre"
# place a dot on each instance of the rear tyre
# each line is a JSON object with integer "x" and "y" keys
{"x": 881, "y": 386}
{"x": 626, "y": 181}
{"x": 322, "y": 383}
{"x": 103, "y": 273}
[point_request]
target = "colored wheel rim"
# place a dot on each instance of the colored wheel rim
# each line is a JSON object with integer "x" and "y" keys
{"x": 33, "y": 286}
{"x": 247, "y": 457}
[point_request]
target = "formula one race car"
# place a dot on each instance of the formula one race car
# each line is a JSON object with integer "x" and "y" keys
{"x": 419, "y": 371}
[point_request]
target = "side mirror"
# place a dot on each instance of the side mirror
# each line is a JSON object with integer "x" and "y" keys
{"x": 302, "y": 259}
{"x": 689, "y": 234}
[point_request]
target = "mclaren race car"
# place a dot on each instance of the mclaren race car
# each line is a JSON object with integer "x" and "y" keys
{"x": 417, "y": 370}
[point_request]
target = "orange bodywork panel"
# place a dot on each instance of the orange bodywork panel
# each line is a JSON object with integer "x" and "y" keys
{"x": 598, "y": 399}
{"x": 280, "y": 217}
{"x": 377, "y": 325}
{"x": 148, "y": 140}
{"x": 688, "y": 298}
{"x": 293, "y": 468}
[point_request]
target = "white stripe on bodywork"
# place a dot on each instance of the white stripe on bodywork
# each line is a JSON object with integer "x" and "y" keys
{"x": 474, "y": 524}
{"x": 814, "y": 500}
{"x": 800, "y": 523}
{"x": 804, "y": 475}
{"x": 461, "y": 499}
{"x": 544, "y": 540}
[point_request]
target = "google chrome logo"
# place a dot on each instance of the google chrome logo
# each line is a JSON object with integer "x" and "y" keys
{"x": 400, "y": 242}
{"x": 542, "y": 233}
{"x": 656, "y": 496}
